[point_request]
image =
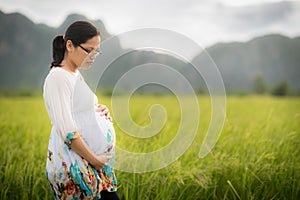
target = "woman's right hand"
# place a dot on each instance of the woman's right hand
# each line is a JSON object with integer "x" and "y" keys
{"x": 102, "y": 160}
{"x": 82, "y": 149}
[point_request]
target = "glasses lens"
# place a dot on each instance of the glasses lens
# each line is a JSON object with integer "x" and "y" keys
{"x": 95, "y": 52}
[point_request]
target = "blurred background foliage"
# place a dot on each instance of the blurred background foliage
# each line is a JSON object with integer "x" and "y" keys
{"x": 264, "y": 65}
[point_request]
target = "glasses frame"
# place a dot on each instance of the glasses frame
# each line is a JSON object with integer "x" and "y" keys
{"x": 96, "y": 51}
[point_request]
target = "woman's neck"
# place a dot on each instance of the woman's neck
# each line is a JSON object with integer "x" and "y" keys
{"x": 69, "y": 66}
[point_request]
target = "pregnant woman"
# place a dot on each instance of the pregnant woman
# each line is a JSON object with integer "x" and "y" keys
{"x": 82, "y": 141}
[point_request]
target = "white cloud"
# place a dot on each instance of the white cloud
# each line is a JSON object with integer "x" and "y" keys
{"x": 242, "y": 3}
{"x": 204, "y": 21}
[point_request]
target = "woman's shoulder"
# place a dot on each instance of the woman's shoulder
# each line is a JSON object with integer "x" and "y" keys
{"x": 58, "y": 73}
{"x": 59, "y": 76}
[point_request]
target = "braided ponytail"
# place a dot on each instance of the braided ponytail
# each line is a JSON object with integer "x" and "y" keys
{"x": 58, "y": 52}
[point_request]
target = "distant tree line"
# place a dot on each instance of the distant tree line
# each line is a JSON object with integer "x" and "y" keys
{"x": 281, "y": 89}
{"x": 260, "y": 87}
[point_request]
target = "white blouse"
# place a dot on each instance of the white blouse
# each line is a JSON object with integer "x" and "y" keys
{"x": 71, "y": 106}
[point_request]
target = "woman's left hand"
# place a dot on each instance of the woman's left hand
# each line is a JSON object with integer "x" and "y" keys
{"x": 103, "y": 110}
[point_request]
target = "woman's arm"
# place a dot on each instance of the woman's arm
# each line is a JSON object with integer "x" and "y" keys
{"x": 81, "y": 148}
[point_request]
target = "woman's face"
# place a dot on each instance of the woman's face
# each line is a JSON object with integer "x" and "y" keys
{"x": 84, "y": 55}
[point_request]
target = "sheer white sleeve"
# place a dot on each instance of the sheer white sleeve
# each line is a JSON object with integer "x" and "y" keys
{"x": 58, "y": 91}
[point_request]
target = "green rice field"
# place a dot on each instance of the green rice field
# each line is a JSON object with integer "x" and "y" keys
{"x": 257, "y": 155}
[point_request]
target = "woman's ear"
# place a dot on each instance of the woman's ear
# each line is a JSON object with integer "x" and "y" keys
{"x": 69, "y": 46}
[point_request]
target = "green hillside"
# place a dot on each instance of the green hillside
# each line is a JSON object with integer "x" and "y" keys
{"x": 25, "y": 55}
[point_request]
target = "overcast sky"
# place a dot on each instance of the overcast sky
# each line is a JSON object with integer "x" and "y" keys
{"x": 204, "y": 21}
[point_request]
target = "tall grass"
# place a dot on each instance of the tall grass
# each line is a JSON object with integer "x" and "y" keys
{"x": 256, "y": 157}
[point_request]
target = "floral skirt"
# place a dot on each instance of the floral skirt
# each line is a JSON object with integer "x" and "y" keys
{"x": 75, "y": 184}
{"x": 72, "y": 177}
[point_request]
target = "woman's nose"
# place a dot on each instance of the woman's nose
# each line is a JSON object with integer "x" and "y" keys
{"x": 92, "y": 57}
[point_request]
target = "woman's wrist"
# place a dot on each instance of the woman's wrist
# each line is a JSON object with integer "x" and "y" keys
{"x": 80, "y": 147}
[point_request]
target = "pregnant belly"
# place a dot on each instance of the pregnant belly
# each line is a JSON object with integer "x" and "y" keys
{"x": 96, "y": 131}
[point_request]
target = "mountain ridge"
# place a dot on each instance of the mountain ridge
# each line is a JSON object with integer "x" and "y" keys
{"x": 25, "y": 47}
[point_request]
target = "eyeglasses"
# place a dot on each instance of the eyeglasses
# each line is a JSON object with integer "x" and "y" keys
{"x": 93, "y": 52}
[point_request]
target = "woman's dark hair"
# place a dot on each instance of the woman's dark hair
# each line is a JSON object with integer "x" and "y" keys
{"x": 79, "y": 32}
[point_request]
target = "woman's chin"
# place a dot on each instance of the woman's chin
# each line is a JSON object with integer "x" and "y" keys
{"x": 86, "y": 65}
